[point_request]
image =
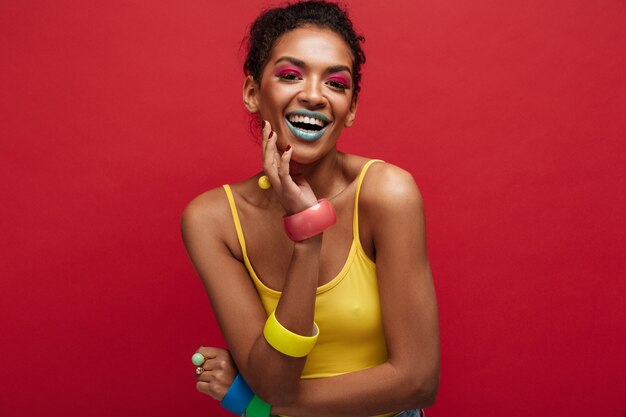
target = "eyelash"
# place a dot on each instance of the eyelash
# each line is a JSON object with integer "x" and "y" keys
{"x": 293, "y": 76}
{"x": 289, "y": 76}
{"x": 337, "y": 84}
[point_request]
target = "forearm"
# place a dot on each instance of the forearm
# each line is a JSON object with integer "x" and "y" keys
{"x": 273, "y": 375}
{"x": 382, "y": 389}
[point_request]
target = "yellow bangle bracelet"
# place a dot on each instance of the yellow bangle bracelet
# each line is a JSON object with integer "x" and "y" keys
{"x": 287, "y": 342}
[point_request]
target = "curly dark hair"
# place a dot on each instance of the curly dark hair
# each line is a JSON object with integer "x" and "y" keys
{"x": 275, "y": 22}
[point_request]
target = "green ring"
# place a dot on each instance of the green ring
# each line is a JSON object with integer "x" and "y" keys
{"x": 197, "y": 359}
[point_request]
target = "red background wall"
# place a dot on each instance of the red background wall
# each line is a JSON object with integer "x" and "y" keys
{"x": 510, "y": 115}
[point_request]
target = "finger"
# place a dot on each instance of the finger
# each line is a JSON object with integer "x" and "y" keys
{"x": 267, "y": 134}
{"x": 265, "y": 131}
{"x": 214, "y": 364}
{"x": 206, "y": 376}
{"x": 283, "y": 169}
{"x": 266, "y": 128}
{"x": 208, "y": 352}
{"x": 209, "y": 389}
{"x": 218, "y": 353}
{"x": 214, "y": 389}
{"x": 284, "y": 172}
{"x": 271, "y": 161}
{"x": 218, "y": 376}
{"x": 203, "y": 387}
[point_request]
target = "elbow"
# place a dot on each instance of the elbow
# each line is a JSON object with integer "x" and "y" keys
{"x": 426, "y": 396}
{"x": 419, "y": 388}
{"x": 424, "y": 391}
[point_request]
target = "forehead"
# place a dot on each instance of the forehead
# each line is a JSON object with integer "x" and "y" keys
{"x": 314, "y": 46}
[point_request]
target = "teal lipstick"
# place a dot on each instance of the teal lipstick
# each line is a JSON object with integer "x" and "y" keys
{"x": 306, "y": 134}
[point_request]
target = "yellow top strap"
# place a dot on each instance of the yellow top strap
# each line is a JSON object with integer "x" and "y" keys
{"x": 355, "y": 217}
{"x": 233, "y": 209}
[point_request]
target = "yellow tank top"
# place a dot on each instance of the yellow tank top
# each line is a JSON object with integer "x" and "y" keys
{"x": 347, "y": 309}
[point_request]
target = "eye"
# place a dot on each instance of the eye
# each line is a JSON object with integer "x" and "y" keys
{"x": 338, "y": 82}
{"x": 338, "y": 85}
{"x": 289, "y": 76}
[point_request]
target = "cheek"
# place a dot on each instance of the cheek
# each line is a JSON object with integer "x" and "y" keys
{"x": 268, "y": 102}
{"x": 344, "y": 110}
{"x": 276, "y": 96}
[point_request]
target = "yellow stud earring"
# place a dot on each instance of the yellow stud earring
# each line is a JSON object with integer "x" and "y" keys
{"x": 264, "y": 182}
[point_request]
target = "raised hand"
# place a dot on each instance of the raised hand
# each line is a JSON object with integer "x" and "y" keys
{"x": 292, "y": 189}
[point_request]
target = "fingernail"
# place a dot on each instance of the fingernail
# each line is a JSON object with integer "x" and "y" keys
{"x": 287, "y": 148}
{"x": 263, "y": 125}
{"x": 271, "y": 134}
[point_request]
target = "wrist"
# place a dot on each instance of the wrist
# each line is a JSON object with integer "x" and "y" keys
{"x": 308, "y": 250}
{"x": 238, "y": 396}
{"x": 313, "y": 242}
{"x": 299, "y": 207}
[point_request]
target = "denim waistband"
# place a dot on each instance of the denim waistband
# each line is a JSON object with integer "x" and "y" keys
{"x": 411, "y": 413}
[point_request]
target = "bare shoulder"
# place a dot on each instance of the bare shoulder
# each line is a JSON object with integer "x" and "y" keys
{"x": 205, "y": 213}
{"x": 390, "y": 189}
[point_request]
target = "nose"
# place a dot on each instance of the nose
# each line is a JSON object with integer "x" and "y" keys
{"x": 311, "y": 94}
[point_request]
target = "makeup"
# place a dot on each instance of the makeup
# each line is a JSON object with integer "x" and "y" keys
{"x": 288, "y": 70}
{"x": 307, "y": 125}
{"x": 341, "y": 79}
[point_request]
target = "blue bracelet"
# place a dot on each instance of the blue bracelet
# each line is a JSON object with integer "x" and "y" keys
{"x": 238, "y": 396}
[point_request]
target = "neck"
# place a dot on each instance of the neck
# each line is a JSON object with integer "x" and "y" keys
{"x": 326, "y": 176}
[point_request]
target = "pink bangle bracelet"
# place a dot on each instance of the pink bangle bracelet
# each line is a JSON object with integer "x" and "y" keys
{"x": 310, "y": 222}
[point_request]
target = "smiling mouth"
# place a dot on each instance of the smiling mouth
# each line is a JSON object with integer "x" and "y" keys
{"x": 307, "y": 125}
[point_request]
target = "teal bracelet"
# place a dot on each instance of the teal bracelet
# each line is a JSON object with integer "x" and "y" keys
{"x": 258, "y": 408}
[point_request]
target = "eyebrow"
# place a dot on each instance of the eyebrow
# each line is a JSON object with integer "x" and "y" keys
{"x": 302, "y": 64}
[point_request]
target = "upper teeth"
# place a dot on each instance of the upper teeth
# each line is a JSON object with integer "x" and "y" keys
{"x": 305, "y": 119}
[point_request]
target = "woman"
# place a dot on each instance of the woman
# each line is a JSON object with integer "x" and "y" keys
{"x": 353, "y": 297}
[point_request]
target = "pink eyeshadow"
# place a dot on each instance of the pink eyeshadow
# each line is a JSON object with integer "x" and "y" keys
{"x": 340, "y": 79}
{"x": 288, "y": 70}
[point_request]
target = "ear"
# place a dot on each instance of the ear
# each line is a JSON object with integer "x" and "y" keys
{"x": 251, "y": 94}
{"x": 351, "y": 115}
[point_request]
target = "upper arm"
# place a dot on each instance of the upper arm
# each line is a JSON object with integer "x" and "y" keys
{"x": 234, "y": 300}
{"x": 396, "y": 214}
